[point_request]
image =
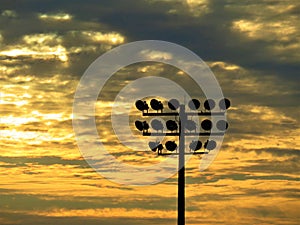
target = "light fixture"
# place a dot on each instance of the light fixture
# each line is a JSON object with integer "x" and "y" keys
{"x": 206, "y": 125}
{"x": 190, "y": 125}
{"x": 156, "y": 105}
{"x": 224, "y": 104}
{"x": 195, "y": 145}
{"x": 171, "y": 146}
{"x": 173, "y": 104}
{"x": 154, "y": 146}
{"x": 142, "y": 126}
{"x": 157, "y": 125}
{"x": 209, "y": 104}
{"x": 171, "y": 125}
{"x": 222, "y": 125}
{"x": 210, "y": 145}
{"x": 142, "y": 105}
{"x": 194, "y": 104}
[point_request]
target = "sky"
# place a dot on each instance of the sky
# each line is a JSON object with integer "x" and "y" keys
{"x": 253, "y": 49}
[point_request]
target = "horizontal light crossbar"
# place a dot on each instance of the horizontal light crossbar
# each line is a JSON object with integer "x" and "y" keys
{"x": 184, "y": 134}
{"x": 187, "y": 113}
{"x": 186, "y": 153}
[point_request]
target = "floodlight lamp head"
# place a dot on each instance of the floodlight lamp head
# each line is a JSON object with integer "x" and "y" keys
{"x": 210, "y": 145}
{"x": 140, "y": 105}
{"x": 157, "y": 125}
{"x": 171, "y": 146}
{"x": 190, "y": 125}
{"x": 153, "y": 146}
{"x": 173, "y": 104}
{"x": 195, "y": 145}
{"x": 206, "y": 125}
{"x": 156, "y": 105}
{"x": 171, "y": 125}
{"x": 194, "y": 104}
{"x": 224, "y": 104}
{"x": 222, "y": 125}
{"x": 209, "y": 104}
{"x": 139, "y": 125}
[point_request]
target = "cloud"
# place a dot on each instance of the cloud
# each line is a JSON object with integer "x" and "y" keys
{"x": 62, "y": 17}
{"x": 9, "y": 13}
{"x": 281, "y": 31}
{"x": 198, "y": 7}
{"x": 26, "y": 219}
{"x": 38, "y": 46}
{"x": 156, "y": 55}
{"x": 1, "y": 39}
{"x": 109, "y": 38}
{"x": 108, "y": 213}
{"x": 251, "y": 47}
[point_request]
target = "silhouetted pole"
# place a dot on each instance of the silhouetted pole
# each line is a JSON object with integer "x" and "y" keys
{"x": 206, "y": 125}
{"x": 181, "y": 172}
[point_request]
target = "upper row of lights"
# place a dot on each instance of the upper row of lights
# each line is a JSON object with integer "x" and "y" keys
{"x": 173, "y": 104}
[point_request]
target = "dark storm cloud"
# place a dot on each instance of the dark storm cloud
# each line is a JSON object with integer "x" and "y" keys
{"x": 209, "y": 35}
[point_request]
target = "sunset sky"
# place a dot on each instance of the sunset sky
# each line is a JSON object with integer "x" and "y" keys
{"x": 252, "y": 47}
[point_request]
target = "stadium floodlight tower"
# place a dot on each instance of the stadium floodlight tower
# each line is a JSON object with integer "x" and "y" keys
{"x": 182, "y": 128}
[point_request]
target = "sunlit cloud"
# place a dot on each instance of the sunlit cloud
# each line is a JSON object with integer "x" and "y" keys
{"x": 281, "y": 31}
{"x": 31, "y": 137}
{"x": 30, "y": 116}
{"x": 224, "y": 66}
{"x": 108, "y": 38}
{"x": 156, "y": 55}
{"x": 9, "y": 13}
{"x": 1, "y": 39}
{"x": 267, "y": 114}
{"x": 17, "y": 121}
{"x": 198, "y": 7}
{"x": 108, "y": 212}
{"x": 44, "y": 53}
{"x": 254, "y": 177}
{"x": 194, "y": 8}
{"x": 38, "y": 46}
{"x": 289, "y": 52}
{"x": 13, "y": 70}
{"x": 46, "y": 39}
{"x": 56, "y": 17}
{"x": 154, "y": 69}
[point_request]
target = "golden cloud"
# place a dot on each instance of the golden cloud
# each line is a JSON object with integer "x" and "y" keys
{"x": 56, "y": 17}
{"x": 9, "y": 13}
{"x": 112, "y": 38}
{"x": 224, "y": 65}
{"x": 38, "y": 46}
{"x": 259, "y": 29}
{"x": 198, "y": 7}
{"x": 156, "y": 55}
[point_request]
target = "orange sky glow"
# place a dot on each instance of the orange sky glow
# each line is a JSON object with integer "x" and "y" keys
{"x": 44, "y": 178}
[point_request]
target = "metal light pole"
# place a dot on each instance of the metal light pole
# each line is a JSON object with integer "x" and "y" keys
{"x": 181, "y": 168}
{"x": 181, "y": 133}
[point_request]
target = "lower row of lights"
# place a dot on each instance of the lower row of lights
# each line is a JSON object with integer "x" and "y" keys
{"x": 172, "y": 146}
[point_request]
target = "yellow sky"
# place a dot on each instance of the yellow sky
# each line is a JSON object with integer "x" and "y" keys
{"x": 44, "y": 178}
